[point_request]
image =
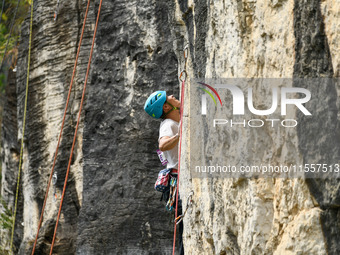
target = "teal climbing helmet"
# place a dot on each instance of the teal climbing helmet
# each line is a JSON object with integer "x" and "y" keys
{"x": 154, "y": 104}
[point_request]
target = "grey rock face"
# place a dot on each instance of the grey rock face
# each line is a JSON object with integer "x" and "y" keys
{"x": 110, "y": 206}
{"x": 53, "y": 52}
{"x": 134, "y": 56}
{"x": 313, "y": 59}
{"x": 114, "y": 209}
{"x": 10, "y": 156}
{"x": 241, "y": 42}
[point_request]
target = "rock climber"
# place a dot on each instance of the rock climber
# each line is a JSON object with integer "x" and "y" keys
{"x": 161, "y": 106}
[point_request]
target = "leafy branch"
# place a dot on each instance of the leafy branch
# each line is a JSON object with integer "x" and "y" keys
{"x": 6, "y": 220}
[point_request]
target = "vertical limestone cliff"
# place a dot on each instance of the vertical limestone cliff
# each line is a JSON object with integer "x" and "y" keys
{"x": 54, "y": 47}
{"x": 110, "y": 206}
{"x": 134, "y": 56}
{"x": 270, "y": 39}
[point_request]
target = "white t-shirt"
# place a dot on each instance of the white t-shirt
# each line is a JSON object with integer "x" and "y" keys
{"x": 169, "y": 128}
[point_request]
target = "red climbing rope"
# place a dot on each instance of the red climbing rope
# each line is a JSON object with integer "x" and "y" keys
{"x": 62, "y": 127}
{"x": 179, "y": 164}
{"x": 75, "y": 132}
{"x": 180, "y": 142}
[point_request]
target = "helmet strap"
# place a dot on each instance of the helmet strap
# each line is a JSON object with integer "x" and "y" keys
{"x": 173, "y": 108}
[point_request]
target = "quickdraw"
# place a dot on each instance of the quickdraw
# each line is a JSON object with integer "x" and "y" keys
{"x": 184, "y": 72}
{"x": 189, "y": 203}
{"x": 173, "y": 189}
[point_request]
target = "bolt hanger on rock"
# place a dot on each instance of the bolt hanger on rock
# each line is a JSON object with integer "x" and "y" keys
{"x": 56, "y": 11}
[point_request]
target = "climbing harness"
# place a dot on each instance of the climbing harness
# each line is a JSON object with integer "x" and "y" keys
{"x": 76, "y": 130}
{"x": 189, "y": 203}
{"x": 23, "y": 124}
{"x": 62, "y": 127}
{"x": 56, "y": 11}
{"x": 10, "y": 33}
{"x": 173, "y": 191}
{"x": 182, "y": 79}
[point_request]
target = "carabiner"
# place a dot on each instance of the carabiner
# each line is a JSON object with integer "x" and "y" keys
{"x": 185, "y": 51}
{"x": 185, "y": 77}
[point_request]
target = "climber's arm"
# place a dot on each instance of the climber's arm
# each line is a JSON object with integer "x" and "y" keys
{"x": 167, "y": 143}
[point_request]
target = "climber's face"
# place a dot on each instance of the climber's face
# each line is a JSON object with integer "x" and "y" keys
{"x": 173, "y": 101}
{"x": 169, "y": 110}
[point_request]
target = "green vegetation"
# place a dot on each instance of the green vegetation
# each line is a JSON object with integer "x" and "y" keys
{"x": 6, "y": 216}
{"x": 11, "y": 53}
{"x": 6, "y": 222}
{"x": 13, "y": 38}
{"x": 4, "y": 252}
{"x": 9, "y": 42}
{"x": 2, "y": 87}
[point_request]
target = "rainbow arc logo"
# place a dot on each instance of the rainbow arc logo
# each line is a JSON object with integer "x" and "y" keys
{"x": 204, "y": 98}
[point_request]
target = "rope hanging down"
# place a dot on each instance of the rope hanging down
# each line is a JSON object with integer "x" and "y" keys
{"x": 76, "y": 130}
{"x": 23, "y": 124}
{"x": 10, "y": 33}
{"x": 182, "y": 79}
{"x": 62, "y": 127}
